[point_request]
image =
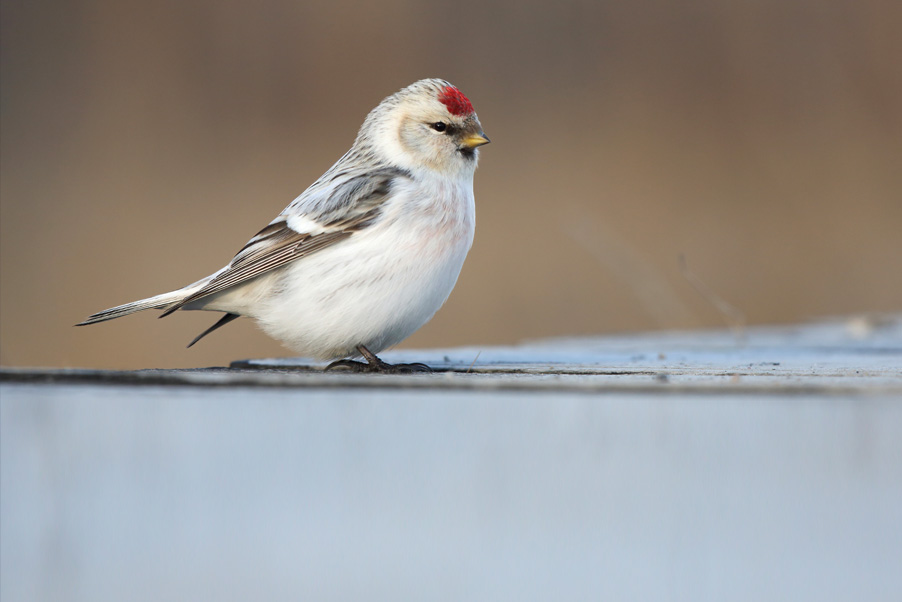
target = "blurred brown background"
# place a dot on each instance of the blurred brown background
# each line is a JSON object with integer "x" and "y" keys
{"x": 144, "y": 142}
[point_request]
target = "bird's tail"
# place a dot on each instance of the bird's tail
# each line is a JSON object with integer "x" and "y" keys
{"x": 158, "y": 302}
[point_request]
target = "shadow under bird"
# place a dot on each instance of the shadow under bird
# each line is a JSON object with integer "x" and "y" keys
{"x": 370, "y": 251}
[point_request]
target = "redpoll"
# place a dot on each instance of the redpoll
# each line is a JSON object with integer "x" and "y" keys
{"x": 370, "y": 251}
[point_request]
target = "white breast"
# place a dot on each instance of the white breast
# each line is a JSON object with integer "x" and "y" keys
{"x": 380, "y": 285}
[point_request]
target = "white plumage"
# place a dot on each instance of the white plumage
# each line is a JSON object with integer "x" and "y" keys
{"x": 371, "y": 250}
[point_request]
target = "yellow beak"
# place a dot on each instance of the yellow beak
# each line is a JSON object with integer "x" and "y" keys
{"x": 474, "y": 140}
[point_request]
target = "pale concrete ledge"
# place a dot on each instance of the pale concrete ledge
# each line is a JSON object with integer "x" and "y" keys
{"x": 687, "y": 466}
{"x": 862, "y": 355}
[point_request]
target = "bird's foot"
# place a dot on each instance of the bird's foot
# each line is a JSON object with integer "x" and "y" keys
{"x": 349, "y": 366}
{"x": 374, "y": 364}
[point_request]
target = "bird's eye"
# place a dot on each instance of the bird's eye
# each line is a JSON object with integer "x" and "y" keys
{"x": 439, "y": 126}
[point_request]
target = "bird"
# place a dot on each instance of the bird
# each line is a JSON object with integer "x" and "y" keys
{"x": 369, "y": 252}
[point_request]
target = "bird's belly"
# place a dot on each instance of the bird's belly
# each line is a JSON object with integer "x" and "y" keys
{"x": 374, "y": 289}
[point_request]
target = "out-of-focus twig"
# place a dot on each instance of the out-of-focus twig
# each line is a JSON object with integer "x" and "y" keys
{"x": 734, "y": 317}
{"x": 656, "y": 296}
{"x": 473, "y": 363}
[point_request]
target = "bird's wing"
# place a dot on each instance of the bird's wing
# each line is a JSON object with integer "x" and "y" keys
{"x": 292, "y": 236}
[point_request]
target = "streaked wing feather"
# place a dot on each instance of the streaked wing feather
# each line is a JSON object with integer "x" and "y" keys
{"x": 263, "y": 256}
{"x": 278, "y": 244}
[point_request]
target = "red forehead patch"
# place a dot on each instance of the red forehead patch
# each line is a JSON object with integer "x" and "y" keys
{"x": 454, "y": 99}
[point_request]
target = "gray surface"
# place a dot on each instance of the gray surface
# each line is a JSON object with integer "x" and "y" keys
{"x": 858, "y": 356}
{"x": 565, "y": 480}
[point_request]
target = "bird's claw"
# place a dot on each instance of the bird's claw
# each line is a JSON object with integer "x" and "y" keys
{"x": 349, "y": 366}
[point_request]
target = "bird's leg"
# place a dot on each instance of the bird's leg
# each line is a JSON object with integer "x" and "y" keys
{"x": 374, "y": 364}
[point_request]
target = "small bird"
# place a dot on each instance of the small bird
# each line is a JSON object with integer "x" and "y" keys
{"x": 370, "y": 251}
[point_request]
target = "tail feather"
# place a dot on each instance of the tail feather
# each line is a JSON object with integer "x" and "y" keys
{"x": 158, "y": 302}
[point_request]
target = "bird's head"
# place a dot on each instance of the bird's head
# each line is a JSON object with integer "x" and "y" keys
{"x": 429, "y": 124}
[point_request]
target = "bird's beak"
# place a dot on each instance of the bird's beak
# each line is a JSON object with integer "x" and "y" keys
{"x": 474, "y": 140}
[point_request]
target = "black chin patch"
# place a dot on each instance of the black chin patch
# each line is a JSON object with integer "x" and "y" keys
{"x": 468, "y": 153}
